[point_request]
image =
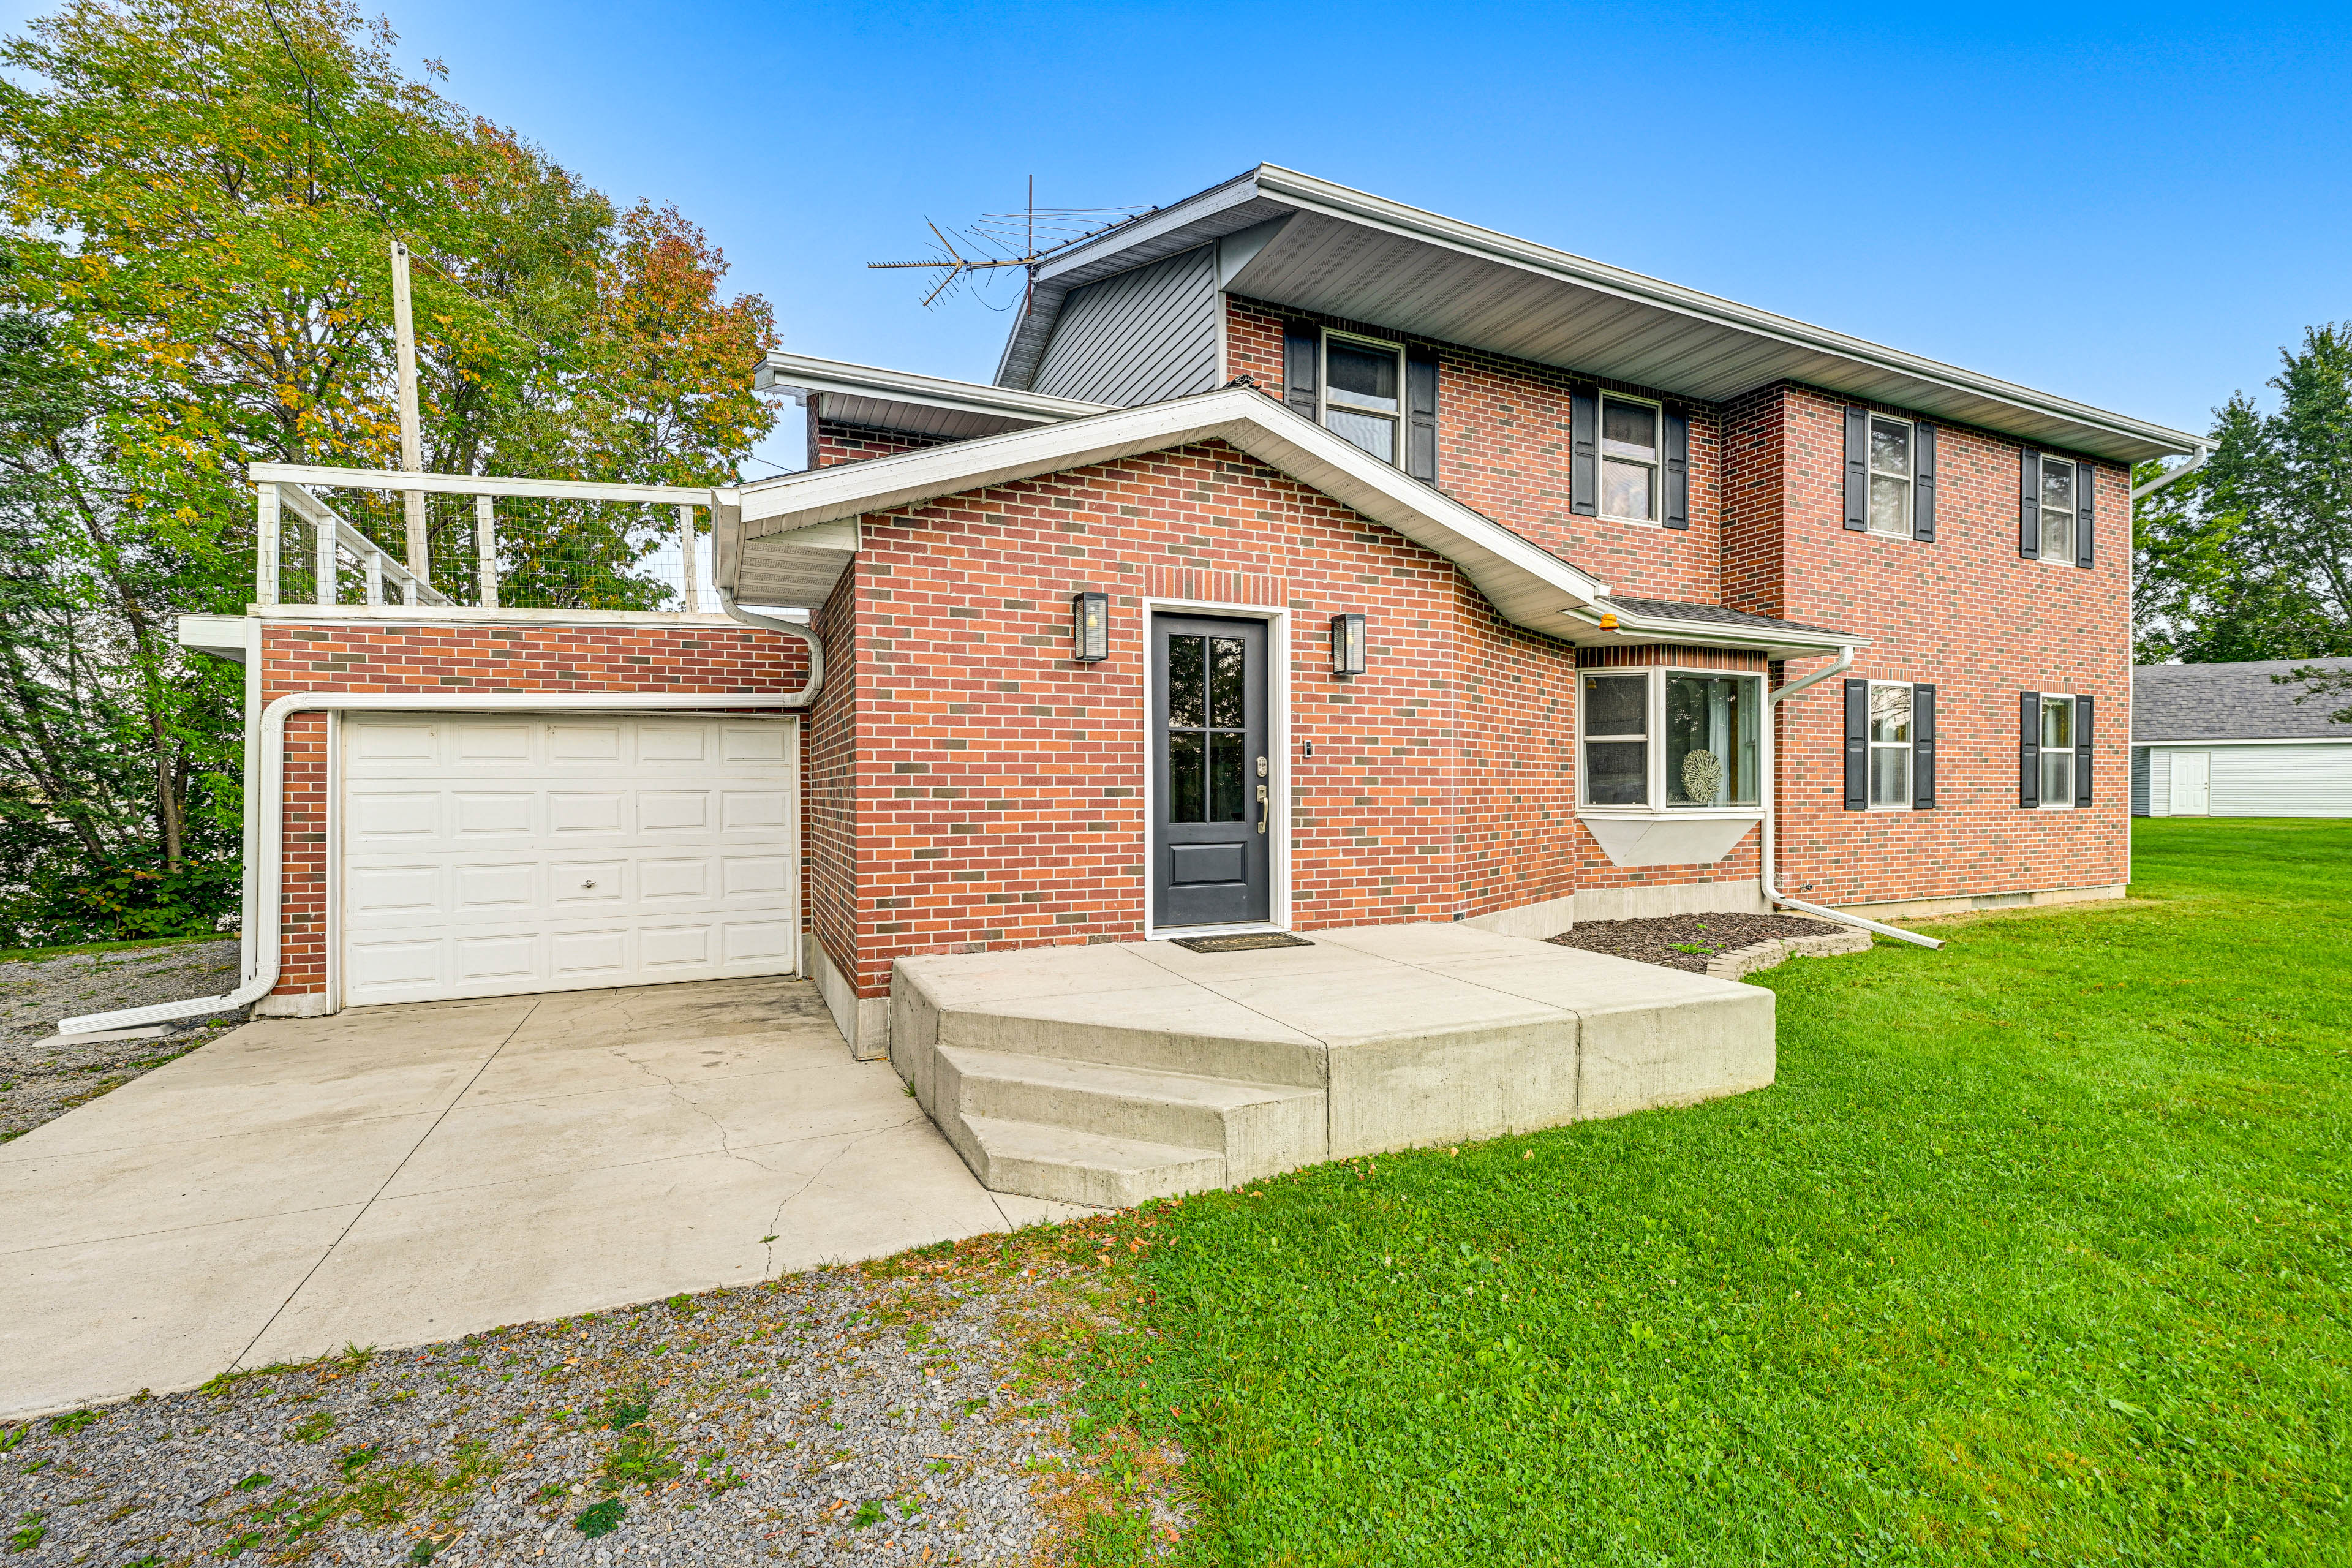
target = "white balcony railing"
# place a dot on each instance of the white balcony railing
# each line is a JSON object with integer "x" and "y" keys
{"x": 331, "y": 536}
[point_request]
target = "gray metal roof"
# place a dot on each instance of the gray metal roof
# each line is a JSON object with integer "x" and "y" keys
{"x": 2231, "y": 702}
{"x": 1294, "y": 240}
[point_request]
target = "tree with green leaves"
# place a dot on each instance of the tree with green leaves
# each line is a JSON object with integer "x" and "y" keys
{"x": 197, "y": 199}
{"x": 2251, "y": 557}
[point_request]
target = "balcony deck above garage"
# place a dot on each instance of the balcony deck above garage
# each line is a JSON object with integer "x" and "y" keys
{"x": 1114, "y": 1073}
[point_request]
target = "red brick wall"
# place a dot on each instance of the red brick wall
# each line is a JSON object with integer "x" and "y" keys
{"x": 453, "y": 660}
{"x": 999, "y": 783}
{"x": 1503, "y": 448}
{"x": 1966, "y": 614}
{"x": 839, "y": 443}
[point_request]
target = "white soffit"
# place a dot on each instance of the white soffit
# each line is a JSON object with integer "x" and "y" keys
{"x": 1361, "y": 257}
{"x": 1527, "y": 585}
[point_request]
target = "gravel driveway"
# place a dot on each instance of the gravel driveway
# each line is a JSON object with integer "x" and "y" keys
{"x": 40, "y": 1083}
{"x": 908, "y": 1412}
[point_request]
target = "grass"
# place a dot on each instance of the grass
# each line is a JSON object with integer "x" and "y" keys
{"x": 2038, "y": 1251}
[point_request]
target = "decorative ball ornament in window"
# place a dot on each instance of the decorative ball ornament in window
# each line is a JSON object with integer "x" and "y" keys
{"x": 1089, "y": 627}
{"x": 1347, "y": 645}
{"x": 1702, "y": 776}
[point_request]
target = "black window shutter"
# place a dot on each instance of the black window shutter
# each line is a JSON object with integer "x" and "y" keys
{"x": 1584, "y": 451}
{"x": 2028, "y": 507}
{"x": 1857, "y": 470}
{"x": 2084, "y": 488}
{"x": 2028, "y": 749}
{"x": 2082, "y": 750}
{"x": 1923, "y": 485}
{"x": 1421, "y": 414}
{"x": 1301, "y": 350}
{"x": 1857, "y": 745}
{"x": 1678, "y": 508}
{"x": 1923, "y": 748}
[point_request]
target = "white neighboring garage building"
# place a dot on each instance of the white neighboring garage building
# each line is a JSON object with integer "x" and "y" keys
{"x": 2224, "y": 740}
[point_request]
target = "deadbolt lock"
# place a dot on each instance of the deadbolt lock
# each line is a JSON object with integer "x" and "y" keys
{"x": 1261, "y": 768}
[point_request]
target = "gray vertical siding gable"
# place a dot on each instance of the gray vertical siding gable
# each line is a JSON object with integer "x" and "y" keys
{"x": 1137, "y": 337}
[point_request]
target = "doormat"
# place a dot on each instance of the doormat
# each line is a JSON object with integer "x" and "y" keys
{"x": 1244, "y": 943}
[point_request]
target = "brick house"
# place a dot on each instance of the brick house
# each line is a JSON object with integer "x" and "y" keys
{"x": 1312, "y": 560}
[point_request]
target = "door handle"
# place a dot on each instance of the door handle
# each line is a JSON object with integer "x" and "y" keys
{"x": 1261, "y": 808}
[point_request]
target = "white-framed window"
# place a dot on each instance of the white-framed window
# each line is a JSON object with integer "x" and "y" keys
{"x": 1363, "y": 392}
{"x": 1893, "y": 457}
{"x": 1632, "y": 431}
{"x": 1614, "y": 709}
{"x": 1891, "y": 739}
{"x": 1690, "y": 739}
{"x": 2057, "y": 748}
{"x": 2058, "y": 481}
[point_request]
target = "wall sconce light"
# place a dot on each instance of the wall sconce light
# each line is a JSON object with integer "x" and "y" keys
{"x": 1347, "y": 645}
{"x": 1089, "y": 627}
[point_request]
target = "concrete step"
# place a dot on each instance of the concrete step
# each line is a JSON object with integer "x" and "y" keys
{"x": 1259, "y": 1128}
{"x": 1064, "y": 1165}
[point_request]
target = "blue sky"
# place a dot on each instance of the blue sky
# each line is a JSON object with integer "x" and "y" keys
{"x": 2132, "y": 206}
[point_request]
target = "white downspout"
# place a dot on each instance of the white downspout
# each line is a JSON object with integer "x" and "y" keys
{"x": 2181, "y": 472}
{"x": 1771, "y": 766}
{"x": 269, "y": 870}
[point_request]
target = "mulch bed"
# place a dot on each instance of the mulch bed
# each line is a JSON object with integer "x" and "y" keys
{"x": 1686, "y": 942}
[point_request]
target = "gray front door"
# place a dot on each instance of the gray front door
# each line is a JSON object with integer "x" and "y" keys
{"x": 1211, "y": 773}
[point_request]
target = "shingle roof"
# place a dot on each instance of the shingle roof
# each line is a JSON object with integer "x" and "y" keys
{"x": 2230, "y": 702}
{"x": 1674, "y": 610}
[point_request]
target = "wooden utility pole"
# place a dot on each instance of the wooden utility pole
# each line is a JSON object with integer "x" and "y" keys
{"x": 411, "y": 436}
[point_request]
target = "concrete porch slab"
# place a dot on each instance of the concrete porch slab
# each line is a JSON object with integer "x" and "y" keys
{"x": 1412, "y": 1035}
{"x": 393, "y": 1175}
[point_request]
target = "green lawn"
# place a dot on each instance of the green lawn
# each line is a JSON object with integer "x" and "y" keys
{"x": 2036, "y": 1252}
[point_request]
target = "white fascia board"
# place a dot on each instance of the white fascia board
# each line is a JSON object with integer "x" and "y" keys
{"x": 1529, "y": 585}
{"x": 223, "y": 636}
{"x": 798, "y": 375}
{"x": 1241, "y": 187}
{"x": 1339, "y": 202}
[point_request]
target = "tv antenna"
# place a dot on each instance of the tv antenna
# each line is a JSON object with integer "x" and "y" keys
{"x": 975, "y": 255}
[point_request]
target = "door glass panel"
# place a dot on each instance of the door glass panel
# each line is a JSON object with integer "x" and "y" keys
{"x": 1227, "y": 776}
{"x": 1185, "y": 680}
{"x": 1225, "y": 672}
{"x": 1186, "y": 797}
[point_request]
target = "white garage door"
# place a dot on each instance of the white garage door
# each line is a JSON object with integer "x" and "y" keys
{"x": 484, "y": 856}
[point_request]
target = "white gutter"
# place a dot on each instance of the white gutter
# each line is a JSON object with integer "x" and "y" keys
{"x": 2182, "y": 472}
{"x": 1765, "y": 863}
{"x": 270, "y": 910}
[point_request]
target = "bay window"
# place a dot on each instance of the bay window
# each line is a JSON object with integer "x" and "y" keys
{"x": 1672, "y": 740}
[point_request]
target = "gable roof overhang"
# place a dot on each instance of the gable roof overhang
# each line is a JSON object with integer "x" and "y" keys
{"x": 1292, "y": 239}
{"x": 764, "y": 537}
{"x": 786, "y": 540}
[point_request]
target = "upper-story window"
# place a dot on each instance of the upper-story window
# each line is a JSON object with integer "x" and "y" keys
{"x": 2058, "y": 480}
{"x": 1890, "y": 476}
{"x": 1363, "y": 386}
{"x": 1628, "y": 459}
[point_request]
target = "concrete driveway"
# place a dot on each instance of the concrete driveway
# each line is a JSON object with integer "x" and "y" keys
{"x": 396, "y": 1175}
